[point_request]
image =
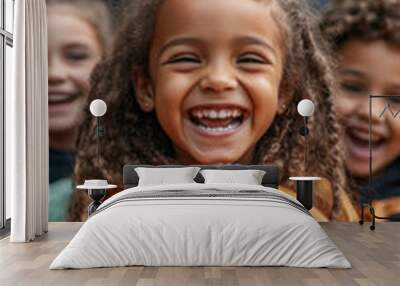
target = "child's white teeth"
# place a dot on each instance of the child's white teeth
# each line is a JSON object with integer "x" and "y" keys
{"x": 198, "y": 114}
{"x": 55, "y": 98}
{"x": 222, "y": 114}
{"x": 220, "y": 129}
{"x": 58, "y": 97}
{"x": 217, "y": 114}
{"x": 213, "y": 114}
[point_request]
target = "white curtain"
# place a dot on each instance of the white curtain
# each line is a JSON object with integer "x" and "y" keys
{"x": 27, "y": 125}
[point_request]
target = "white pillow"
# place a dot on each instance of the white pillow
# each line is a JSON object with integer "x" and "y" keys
{"x": 248, "y": 177}
{"x": 162, "y": 176}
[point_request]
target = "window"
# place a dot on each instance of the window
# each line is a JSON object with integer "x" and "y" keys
{"x": 8, "y": 70}
{"x": 6, "y": 60}
{"x": 9, "y": 16}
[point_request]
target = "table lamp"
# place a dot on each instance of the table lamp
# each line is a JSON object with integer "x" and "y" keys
{"x": 306, "y": 109}
{"x": 97, "y": 188}
{"x": 98, "y": 108}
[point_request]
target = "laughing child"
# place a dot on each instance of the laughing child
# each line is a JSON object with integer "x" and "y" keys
{"x": 78, "y": 37}
{"x": 206, "y": 82}
{"x": 366, "y": 36}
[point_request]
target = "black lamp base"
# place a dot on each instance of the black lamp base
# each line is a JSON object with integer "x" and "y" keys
{"x": 96, "y": 195}
{"x": 304, "y": 131}
{"x": 305, "y": 193}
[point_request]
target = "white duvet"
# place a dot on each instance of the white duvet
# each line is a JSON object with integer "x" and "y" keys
{"x": 189, "y": 231}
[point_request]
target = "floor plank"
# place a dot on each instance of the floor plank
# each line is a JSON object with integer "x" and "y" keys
{"x": 375, "y": 257}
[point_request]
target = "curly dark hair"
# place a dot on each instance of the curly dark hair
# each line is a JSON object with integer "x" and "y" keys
{"x": 362, "y": 19}
{"x": 136, "y": 137}
{"x": 368, "y": 20}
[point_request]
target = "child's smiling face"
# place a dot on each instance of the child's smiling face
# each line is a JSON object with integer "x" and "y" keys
{"x": 73, "y": 51}
{"x": 369, "y": 68}
{"x": 215, "y": 70}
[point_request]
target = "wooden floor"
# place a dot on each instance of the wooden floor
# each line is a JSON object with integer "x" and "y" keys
{"x": 375, "y": 257}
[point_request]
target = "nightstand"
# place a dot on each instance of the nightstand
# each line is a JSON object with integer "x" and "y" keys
{"x": 304, "y": 188}
{"x": 97, "y": 190}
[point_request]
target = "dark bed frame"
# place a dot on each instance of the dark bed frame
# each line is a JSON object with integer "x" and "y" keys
{"x": 270, "y": 179}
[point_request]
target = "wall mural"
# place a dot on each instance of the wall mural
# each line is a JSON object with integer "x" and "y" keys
{"x": 193, "y": 90}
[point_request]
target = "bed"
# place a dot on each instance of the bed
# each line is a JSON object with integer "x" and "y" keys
{"x": 201, "y": 224}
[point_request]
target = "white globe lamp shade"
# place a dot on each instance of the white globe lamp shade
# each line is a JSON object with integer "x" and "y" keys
{"x": 305, "y": 108}
{"x": 98, "y": 107}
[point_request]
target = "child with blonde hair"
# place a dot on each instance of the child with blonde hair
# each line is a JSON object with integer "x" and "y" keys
{"x": 79, "y": 33}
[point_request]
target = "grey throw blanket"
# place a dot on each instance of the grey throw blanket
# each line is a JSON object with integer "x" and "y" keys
{"x": 206, "y": 193}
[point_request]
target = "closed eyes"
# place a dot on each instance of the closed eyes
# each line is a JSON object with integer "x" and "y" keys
{"x": 77, "y": 52}
{"x": 352, "y": 87}
{"x": 184, "y": 58}
{"x": 252, "y": 59}
{"x": 77, "y": 55}
{"x": 245, "y": 59}
{"x": 393, "y": 99}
